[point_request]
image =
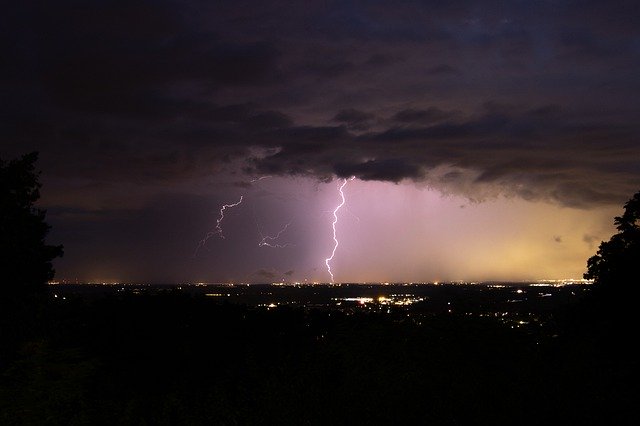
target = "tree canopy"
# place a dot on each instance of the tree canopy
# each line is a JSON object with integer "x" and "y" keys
{"x": 618, "y": 260}
{"x": 25, "y": 258}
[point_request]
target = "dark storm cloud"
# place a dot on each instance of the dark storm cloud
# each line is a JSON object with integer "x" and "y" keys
{"x": 126, "y": 57}
{"x": 422, "y": 116}
{"x": 391, "y": 169}
{"x": 529, "y": 99}
{"x": 442, "y": 69}
{"x": 93, "y": 80}
{"x": 355, "y": 119}
{"x": 530, "y": 152}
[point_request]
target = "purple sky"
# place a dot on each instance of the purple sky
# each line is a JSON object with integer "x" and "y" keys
{"x": 489, "y": 139}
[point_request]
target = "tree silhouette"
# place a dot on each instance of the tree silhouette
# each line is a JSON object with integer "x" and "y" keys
{"x": 25, "y": 258}
{"x": 617, "y": 261}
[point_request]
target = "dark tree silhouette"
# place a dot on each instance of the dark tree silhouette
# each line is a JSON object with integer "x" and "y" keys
{"x": 617, "y": 261}
{"x": 25, "y": 258}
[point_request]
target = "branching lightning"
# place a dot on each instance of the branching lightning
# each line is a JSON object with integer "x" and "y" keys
{"x": 335, "y": 221}
{"x": 218, "y": 229}
{"x": 259, "y": 179}
{"x": 269, "y": 241}
{"x": 222, "y": 209}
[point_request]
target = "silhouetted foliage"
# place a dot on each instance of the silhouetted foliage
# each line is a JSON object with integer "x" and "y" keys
{"x": 25, "y": 258}
{"x": 617, "y": 260}
{"x": 161, "y": 358}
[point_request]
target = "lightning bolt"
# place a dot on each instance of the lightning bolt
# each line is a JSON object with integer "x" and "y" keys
{"x": 218, "y": 229}
{"x": 259, "y": 179}
{"x": 335, "y": 221}
{"x": 266, "y": 239}
{"x": 222, "y": 209}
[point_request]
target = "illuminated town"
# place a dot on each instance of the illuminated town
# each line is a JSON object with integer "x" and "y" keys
{"x": 529, "y": 305}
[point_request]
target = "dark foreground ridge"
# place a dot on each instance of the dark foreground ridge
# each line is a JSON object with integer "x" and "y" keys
{"x": 269, "y": 354}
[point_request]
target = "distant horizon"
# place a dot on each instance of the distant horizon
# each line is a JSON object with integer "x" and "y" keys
{"x": 378, "y": 283}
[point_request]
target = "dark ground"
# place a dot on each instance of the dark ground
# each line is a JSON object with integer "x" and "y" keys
{"x": 179, "y": 357}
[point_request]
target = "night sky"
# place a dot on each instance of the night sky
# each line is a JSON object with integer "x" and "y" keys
{"x": 489, "y": 140}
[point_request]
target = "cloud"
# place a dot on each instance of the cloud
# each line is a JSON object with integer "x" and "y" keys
{"x": 529, "y": 152}
{"x": 421, "y": 116}
{"x": 158, "y": 93}
{"x": 271, "y": 275}
{"x": 442, "y": 69}
{"x": 591, "y": 240}
{"x": 354, "y": 119}
{"x": 392, "y": 169}
{"x": 266, "y": 274}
